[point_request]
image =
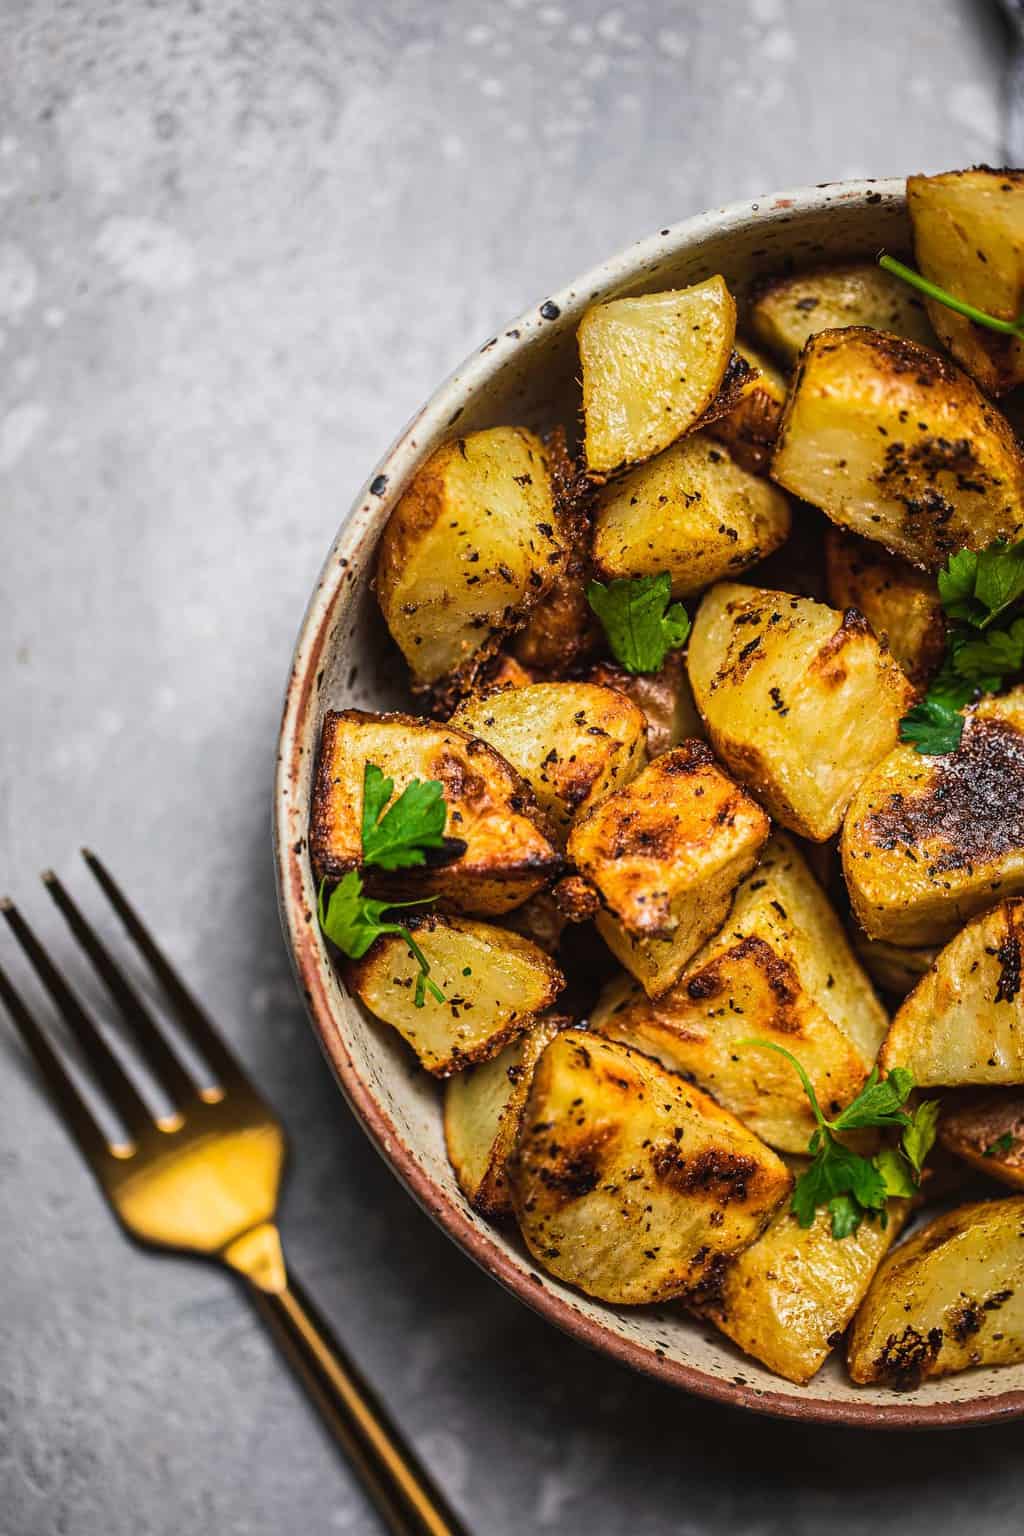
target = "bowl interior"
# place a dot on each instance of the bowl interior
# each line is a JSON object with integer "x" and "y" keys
{"x": 344, "y": 658}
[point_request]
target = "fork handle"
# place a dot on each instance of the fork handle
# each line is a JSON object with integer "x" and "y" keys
{"x": 405, "y": 1494}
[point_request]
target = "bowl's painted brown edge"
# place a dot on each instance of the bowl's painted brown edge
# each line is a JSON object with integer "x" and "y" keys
{"x": 301, "y": 936}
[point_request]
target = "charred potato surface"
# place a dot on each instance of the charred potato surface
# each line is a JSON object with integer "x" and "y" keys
{"x": 900, "y": 602}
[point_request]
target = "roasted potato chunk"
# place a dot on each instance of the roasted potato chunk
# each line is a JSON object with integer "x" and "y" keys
{"x": 651, "y": 368}
{"x": 495, "y": 983}
{"x": 788, "y": 310}
{"x": 928, "y": 841}
{"x": 964, "y": 1021}
{"x": 969, "y": 238}
{"x": 508, "y": 853}
{"x": 665, "y": 855}
{"x": 483, "y": 1111}
{"x": 894, "y": 968}
{"x": 469, "y": 549}
{"x": 691, "y": 512}
{"x": 628, "y": 1182}
{"x": 950, "y": 1297}
{"x": 780, "y": 969}
{"x": 788, "y": 1298}
{"x": 665, "y": 697}
{"x": 750, "y": 429}
{"x": 572, "y": 742}
{"x": 988, "y": 1133}
{"x": 895, "y": 443}
{"x": 799, "y": 701}
{"x": 900, "y": 602}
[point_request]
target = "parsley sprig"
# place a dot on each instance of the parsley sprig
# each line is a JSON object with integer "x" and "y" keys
{"x": 852, "y": 1186}
{"x": 641, "y": 624}
{"x": 943, "y": 296}
{"x": 394, "y": 836}
{"x": 981, "y": 593}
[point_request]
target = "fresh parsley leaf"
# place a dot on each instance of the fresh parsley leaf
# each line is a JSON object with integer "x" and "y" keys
{"x": 397, "y": 837}
{"x": 999, "y": 581}
{"x": 878, "y": 1103}
{"x": 918, "y": 1137}
{"x": 895, "y": 1173}
{"x": 846, "y": 1216}
{"x": 1003, "y": 1143}
{"x": 985, "y": 661}
{"x": 956, "y": 586}
{"x": 641, "y": 625}
{"x": 352, "y": 921}
{"x": 934, "y": 727}
{"x": 960, "y": 306}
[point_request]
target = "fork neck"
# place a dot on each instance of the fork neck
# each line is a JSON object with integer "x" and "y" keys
{"x": 257, "y": 1255}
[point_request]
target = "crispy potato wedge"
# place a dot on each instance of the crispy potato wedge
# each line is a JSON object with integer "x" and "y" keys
{"x": 950, "y": 1297}
{"x": 789, "y": 1298}
{"x": 470, "y": 548}
{"x": 988, "y": 1133}
{"x": 483, "y": 1111}
{"x": 799, "y": 701}
{"x": 508, "y": 855}
{"x": 900, "y": 602}
{"x": 504, "y": 671}
{"x": 894, "y": 968}
{"x": 495, "y": 983}
{"x": 572, "y": 742}
{"x": 964, "y": 1021}
{"x": 665, "y": 855}
{"x": 629, "y": 1183}
{"x": 969, "y": 238}
{"x": 651, "y": 368}
{"x": 895, "y": 443}
{"x": 780, "y": 969}
{"x": 786, "y": 311}
{"x": 665, "y": 697}
{"x": 929, "y": 841}
{"x": 691, "y": 512}
{"x": 539, "y": 919}
{"x": 750, "y": 429}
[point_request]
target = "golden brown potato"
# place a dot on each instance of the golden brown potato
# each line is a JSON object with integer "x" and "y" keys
{"x": 964, "y": 1021}
{"x": 781, "y": 969}
{"x": 950, "y": 1297}
{"x": 494, "y": 982}
{"x": 894, "y": 968}
{"x": 539, "y": 919}
{"x": 508, "y": 853}
{"x": 504, "y": 671}
{"x": 900, "y": 602}
{"x": 691, "y": 512}
{"x": 470, "y": 548}
{"x": 988, "y": 1133}
{"x": 749, "y": 431}
{"x": 572, "y": 742}
{"x": 969, "y": 238}
{"x": 799, "y": 701}
{"x": 787, "y": 310}
{"x": 895, "y": 443}
{"x": 629, "y": 1183}
{"x": 928, "y": 841}
{"x": 665, "y": 697}
{"x": 788, "y": 1298}
{"x": 665, "y": 855}
{"x": 651, "y": 368}
{"x": 483, "y": 1111}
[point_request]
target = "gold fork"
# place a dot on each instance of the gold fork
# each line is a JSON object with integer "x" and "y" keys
{"x": 205, "y": 1180}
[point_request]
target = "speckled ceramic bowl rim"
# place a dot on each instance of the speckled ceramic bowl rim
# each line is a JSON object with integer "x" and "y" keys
{"x": 291, "y": 812}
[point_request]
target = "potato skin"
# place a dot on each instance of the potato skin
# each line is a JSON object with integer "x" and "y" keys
{"x": 799, "y": 701}
{"x": 665, "y": 697}
{"x": 901, "y": 603}
{"x": 469, "y": 550}
{"x": 987, "y": 1132}
{"x": 629, "y": 1183}
{"x": 929, "y": 841}
{"x": 968, "y": 237}
{"x": 509, "y": 853}
{"x": 749, "y": 430}
{"x": 897, "y": 444}
{"x": 786, "y": 311}
{"x": 950, "y": 1297}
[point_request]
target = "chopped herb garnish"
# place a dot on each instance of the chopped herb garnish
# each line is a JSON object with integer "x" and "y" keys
{"x": 980, "y": 592}
{"x": 943, "y": 296}
{"x": 1003, "y": 1143}
{"x": 852, "y": 1186}
{"x": 352, "y": 920}
{"x": 641, "y": 624}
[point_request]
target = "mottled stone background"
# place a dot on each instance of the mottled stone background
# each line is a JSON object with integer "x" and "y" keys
{"x": 239, "y": 244}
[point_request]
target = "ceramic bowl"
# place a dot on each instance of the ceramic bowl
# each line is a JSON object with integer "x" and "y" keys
{"x": 343, "y": 658}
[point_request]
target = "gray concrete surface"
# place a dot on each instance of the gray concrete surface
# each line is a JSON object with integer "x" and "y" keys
{"x": 238, "y": 245}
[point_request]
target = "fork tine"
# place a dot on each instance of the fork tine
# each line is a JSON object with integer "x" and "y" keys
{"x": 192, "y": 1019}
{"x": 72, "y": 1107}
{"x": 151, "y": 1042}
{"x": 120, "y": 1089}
